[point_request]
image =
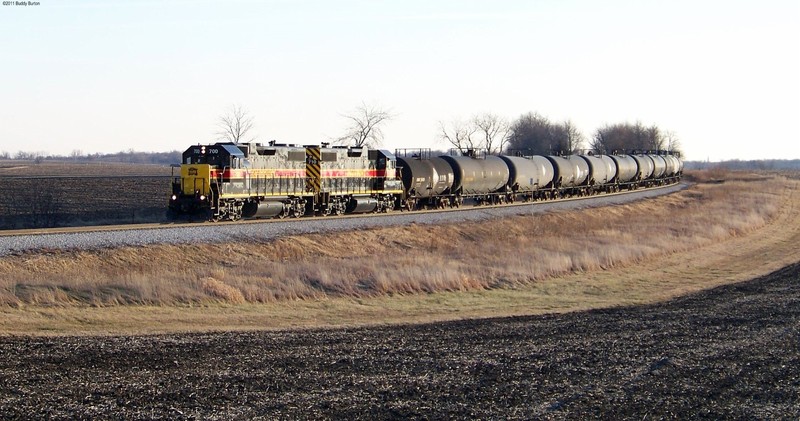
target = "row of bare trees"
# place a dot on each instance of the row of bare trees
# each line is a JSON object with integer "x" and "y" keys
{"x": 487, "y": 132}
{"x": 627, "y": 136}
{"x": 365, "y": 127}
{"x": 534, "y": 134}
{"x": 530, "y": 134}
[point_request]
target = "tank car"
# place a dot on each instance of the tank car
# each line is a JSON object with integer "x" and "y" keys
{"x": 427, "y": 181}
{"x": 571, "y": 172}
{"x": 659, "y": 165}
{"x": 478, "y": 176}
{"x": 673, "y": 166}
{"x": 645, "y": 167}
{"x": 528, "y": 176}
{"x": 680, "y": 165}
{"x": 602, "y": 170}
{"x": 627, "y": 169}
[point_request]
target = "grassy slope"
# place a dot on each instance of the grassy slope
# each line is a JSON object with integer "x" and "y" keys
{"x": 709, "y": 234}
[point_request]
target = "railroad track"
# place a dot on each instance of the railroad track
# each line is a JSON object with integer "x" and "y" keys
{"x": 91, "y": 237}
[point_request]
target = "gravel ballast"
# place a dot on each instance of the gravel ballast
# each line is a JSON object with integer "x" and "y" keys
{"x": 222, "y": 232}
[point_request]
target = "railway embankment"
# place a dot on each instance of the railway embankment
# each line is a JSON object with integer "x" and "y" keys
{"x": 725, "y": 353}
{"x": 559, "y": 261}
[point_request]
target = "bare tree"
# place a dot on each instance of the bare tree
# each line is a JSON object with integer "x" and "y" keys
{"x": 626, "y": 137}
{"x": 653, "y": 138}
{"x": 534, "y": 134}
{"x": 365, "y": 128}
{"x": 494, "y": 131}
{"x": 461, "y": 135}
{"x": 235, "y": 125}
{"x": 673, "y": 143}
{"x": 573, "y": 138}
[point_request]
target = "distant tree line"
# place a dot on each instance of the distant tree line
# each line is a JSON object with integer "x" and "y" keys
{"x": 130, "y": 156}
{"x": 766, "y": 164}
{"x": 530, "y": 134}
{"x": 535, "y": 134}
{"x": 626, "y": 136}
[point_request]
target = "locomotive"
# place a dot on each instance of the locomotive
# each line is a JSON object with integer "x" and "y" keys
{"x": 252, "y": 180}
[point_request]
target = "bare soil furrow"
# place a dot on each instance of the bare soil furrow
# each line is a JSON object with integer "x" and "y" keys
{"x": 732, "y": 352}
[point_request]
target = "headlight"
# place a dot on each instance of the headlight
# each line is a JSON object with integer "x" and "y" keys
{"x": 202, "y": 197}
{"x": 174, "y": 197}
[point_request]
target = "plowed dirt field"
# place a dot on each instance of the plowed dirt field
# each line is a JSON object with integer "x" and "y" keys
{"x": 731, "y": 352}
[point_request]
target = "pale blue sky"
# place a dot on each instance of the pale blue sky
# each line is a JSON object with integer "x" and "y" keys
{"x": 105, "y": 76}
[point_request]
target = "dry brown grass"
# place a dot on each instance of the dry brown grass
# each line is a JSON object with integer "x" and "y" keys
{"x": 510, "y": 253}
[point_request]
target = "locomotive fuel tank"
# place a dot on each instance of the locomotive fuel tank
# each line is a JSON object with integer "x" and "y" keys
{"x": 478, "y": 175}
{"x": 571, "y": 171}
{"x": 529, "y": 173}
{"x": 659, "y": 165}
{"x": 645, "y": 167}
{"x": 627, "y": 168}
{"x": 362, "y": 205}
{"x": 602, "y": 169}
{"x": 262, "y": 210}
{"x": 426, "y": 177}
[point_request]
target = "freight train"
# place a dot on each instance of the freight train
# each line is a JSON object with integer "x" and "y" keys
{"x": 251, "y": 180}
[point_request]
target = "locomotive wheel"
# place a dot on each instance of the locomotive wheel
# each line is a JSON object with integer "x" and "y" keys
{"x": 298, "y": 210}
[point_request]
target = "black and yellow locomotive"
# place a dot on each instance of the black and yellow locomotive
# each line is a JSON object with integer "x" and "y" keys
{"x": 233, "y": 181}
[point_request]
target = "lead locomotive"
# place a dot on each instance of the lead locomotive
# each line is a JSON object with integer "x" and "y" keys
{"x": 231, "y": 181}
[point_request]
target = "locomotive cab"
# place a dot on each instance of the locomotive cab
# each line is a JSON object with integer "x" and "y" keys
{"x": 202, "y": 169}
{"x": 387, "y": 177}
